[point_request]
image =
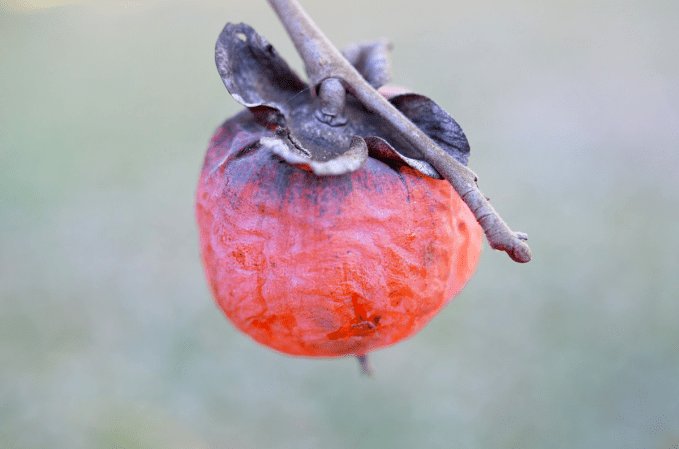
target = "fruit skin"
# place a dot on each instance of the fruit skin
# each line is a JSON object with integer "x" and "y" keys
{"x": 333, "y": 265}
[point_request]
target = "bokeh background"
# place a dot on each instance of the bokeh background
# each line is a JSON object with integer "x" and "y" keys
{"x": 109, "y": 337}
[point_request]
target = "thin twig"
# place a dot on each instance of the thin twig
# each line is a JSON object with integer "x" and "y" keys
{"x": 323, "y": 60}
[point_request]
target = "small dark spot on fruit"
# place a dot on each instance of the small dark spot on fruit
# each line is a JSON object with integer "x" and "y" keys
{"x": 240, "y": 257}
{"x": 376, "y": 319}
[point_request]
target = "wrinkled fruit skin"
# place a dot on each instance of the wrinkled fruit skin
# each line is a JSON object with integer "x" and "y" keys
{"x": 327, "y": 266}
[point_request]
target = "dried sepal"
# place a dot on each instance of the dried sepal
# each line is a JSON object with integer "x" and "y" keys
{"x": 252, "y": 70}
{"x": 380, "y": 149}
{"x": 436, "y": 123}
{"x": 371, "y": 59}
{"x": 285, "y": 148}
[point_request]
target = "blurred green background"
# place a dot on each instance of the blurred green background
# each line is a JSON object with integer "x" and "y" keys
{"x": 109, "y": 337}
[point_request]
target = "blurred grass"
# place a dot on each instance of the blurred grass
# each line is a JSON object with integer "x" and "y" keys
{"x": 108, "y": 335}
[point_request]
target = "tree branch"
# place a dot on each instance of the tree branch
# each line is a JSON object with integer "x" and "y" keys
{"x": 323, "y": 60}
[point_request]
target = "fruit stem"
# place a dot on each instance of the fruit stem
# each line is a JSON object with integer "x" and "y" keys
{"x": 366, "y": 367}
{"x": 323, "y": 60}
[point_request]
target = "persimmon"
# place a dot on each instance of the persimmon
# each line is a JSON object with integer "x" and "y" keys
{"x": 327, "y": 265}
{"x": 329, "y": 218}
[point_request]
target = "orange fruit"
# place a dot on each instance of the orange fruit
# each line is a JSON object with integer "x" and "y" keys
{"x": 326, "y": 266}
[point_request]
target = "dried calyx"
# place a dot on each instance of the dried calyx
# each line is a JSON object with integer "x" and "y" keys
{"x": 323, "y": 128}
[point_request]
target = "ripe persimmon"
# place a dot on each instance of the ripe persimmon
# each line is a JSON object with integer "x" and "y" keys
{"x": 323, "y": 234}
{"x": 327, "y": 265}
